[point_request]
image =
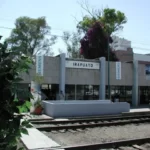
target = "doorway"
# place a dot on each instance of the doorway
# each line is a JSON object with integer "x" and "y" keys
{"x": 144, "y": 94}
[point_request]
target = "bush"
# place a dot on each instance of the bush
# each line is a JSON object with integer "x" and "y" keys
{"x": 12, "y": 63}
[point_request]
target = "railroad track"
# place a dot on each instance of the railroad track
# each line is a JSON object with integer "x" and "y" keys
{"x": 74, "y": 124}
{"x": 131, "y": 144}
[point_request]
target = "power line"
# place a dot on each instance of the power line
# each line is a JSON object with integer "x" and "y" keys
{"x": 135, "y": 47}
{"x": 138, "y": 42}
{"x": 3, "y": 27}
{"x": 147, "y": 49}
{"x": 4, "y": 19}
{"x": 6, "y": 27}
{"x": 12, "y": 28}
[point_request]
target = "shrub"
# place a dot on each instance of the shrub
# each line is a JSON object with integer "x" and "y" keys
{"x": 12, "y": 63}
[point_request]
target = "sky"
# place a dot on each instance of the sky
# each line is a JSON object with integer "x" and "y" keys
{"x": 62, "y": 15}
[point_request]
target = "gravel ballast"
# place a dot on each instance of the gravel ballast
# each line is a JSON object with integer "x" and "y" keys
{"x": 100, "y": 135}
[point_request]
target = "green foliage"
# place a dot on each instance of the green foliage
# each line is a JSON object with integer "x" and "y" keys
{"x": 12, "y": 63}
{"x": 26, "y": 124}
{"x": 111, "y": 19}
{"x": 71, "y": 41}
{"x": 38, "y": 103}
{"x": 25, "y": 107}
{"x": 24, "y": 131}
{"x": 31, "y": 36}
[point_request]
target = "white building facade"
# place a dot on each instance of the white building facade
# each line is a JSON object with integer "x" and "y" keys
{"x": 120, "y": 43}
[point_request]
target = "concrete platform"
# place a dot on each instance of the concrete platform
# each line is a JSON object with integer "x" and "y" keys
{"x": 32, "y": 117}
{"x": 58, "y": 109}
{"x": 37, "y": 140}
{"x": 139, "y": 109}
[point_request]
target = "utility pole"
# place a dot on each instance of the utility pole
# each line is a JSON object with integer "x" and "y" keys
{"x": 108, "y": 70}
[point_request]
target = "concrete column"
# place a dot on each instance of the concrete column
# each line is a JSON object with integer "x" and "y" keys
{"x": 62, "y": 73}
{"x": 135, "y": 84}
{"x": 102, "y": 86}
{"x": 75, "y": 92}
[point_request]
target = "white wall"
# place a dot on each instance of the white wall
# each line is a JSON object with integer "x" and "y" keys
{"x": 120, "y": 43}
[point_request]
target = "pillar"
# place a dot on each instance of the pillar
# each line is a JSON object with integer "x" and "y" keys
{"x": 62, "y": 73}
{"x": 75, "y": 92}
{"x": 135, "y": 84}
{"x": 102, "y": 86}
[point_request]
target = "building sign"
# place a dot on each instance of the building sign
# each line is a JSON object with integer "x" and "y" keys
{"x": 82, "y": 64}
{"x": 147, "y": 71}
{"x": 118, "y": 70}
{"x": 40, "y": 65}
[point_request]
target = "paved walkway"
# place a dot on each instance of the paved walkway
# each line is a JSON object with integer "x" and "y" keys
{"x": 30, "y": 116}
{"x": 139, "y": 110}
{"x": 37, "y": 140}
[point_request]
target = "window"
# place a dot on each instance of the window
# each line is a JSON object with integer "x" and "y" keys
{"x": 144, "y": 94}
{"x": 44, "y": 86}
{"x": 125, "y": 92}
{"x": 80, "y": 92}
{"x": 129, "y": 94}
{"x": 70, "y": 92}
{"x": 88, "y": 92}
{"x": 96, "y": 92}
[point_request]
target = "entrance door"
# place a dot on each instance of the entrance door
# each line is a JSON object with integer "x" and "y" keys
{"x": 54, "y": 90}
{"x": 144, "y": 94}
{"x": 50, "y": 91}
{"x": 88, "y": 92}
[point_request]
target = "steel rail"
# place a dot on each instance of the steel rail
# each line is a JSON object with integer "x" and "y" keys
{"x": 90, "y": 125}
{"x": 40, "y": 119}
{"x": 87, "y": 120}
{"x": 114, "y": 144}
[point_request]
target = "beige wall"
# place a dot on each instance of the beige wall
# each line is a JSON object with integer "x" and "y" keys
{"x": 126, "y": 74}
{"x": 124, "y": 55}
{"x": 82, "y": 76}
{"x": 143, "y": 81}
{"x": 51, "y": 71}
{"x": 86, "y": 76}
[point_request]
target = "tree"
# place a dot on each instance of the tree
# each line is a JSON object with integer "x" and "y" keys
{"x": 112, "y": 20}
{"x": 101, "y": 25}
{"x": 95, "y": 43}
{"x": 31, "y": 36}
{"x": 11, "y": 127}
{"x": 72, "y": 42}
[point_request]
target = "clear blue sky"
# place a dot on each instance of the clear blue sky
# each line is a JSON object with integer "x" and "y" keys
{"x": 59, "y": 15}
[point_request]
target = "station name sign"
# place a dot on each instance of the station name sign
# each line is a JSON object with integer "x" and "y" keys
{"x": 40, "y": 65}
{"x": 82, "y": 64}
{"x": 118, "y": 70}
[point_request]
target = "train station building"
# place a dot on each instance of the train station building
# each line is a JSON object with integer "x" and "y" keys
{"x": 82, "y": 79}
